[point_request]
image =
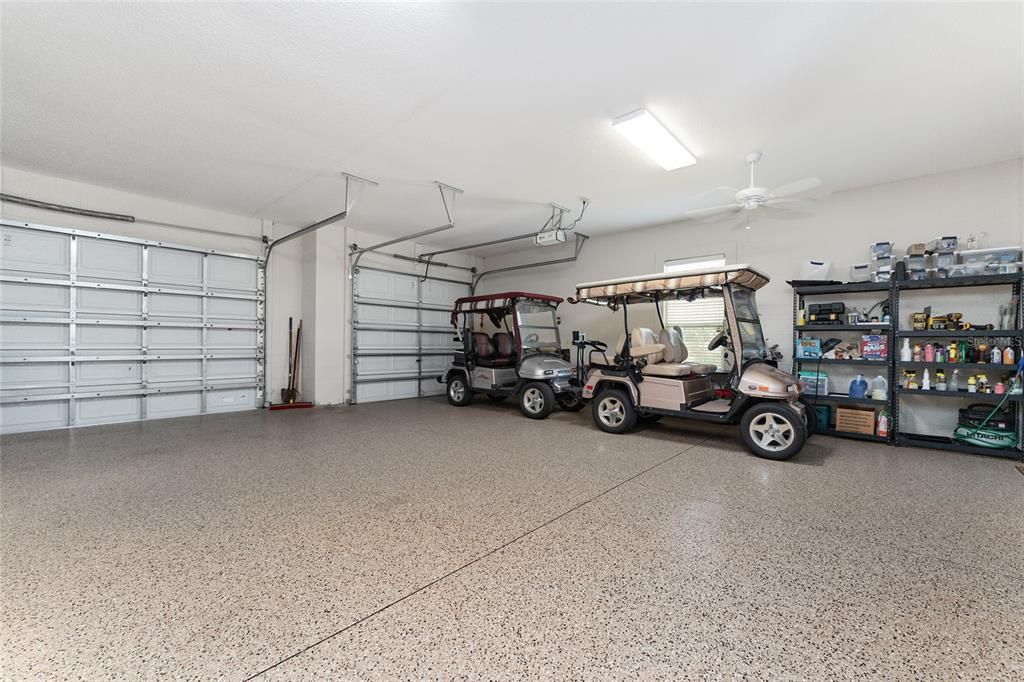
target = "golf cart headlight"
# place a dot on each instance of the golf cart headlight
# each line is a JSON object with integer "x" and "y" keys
{"x": 549, "y": 371}
{"x": 793, "y": 388}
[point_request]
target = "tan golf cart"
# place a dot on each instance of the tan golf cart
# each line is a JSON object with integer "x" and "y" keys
{"x": 647, "y": 376}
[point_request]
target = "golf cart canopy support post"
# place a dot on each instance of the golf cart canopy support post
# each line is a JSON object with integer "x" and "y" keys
{"x": 580, "y": 240}
{"x": 349, "y": 201}
{"x": 449, "y": 211}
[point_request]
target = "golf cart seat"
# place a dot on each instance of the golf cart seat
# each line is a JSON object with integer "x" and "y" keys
{"x": 486, "y": 356}
{"x": 643, "y": 344}
{"x": 504, "y": 348}
{"x": 676, "y": 351}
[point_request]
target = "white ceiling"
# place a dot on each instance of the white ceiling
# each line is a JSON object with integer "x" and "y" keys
{"x": 254, "y": 108}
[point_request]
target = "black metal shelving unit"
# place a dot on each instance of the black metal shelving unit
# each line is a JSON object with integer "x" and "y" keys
{"x": 880, "y": 328}
{"x": 905, "y": 398}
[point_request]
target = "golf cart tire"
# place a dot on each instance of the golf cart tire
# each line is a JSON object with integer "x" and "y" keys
{"x": 458, "y": 391}
{"x": 620, "y": 414}
{"x": 810, "y": 417}
{"x": 528, "y": 396}
{"x": 774, "y": 414}
{"x": 570, "y": 403}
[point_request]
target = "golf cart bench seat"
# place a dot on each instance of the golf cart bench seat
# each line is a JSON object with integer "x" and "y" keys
{"x": 676, "y": 351}
{"x": 489, "y": 356}
{"x": 668, "y": 362}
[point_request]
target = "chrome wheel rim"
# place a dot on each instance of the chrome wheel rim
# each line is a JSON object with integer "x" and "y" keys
{"x": 457, "y": 391}
{"x": 772, "y": 432}
{"x": 611, "y": 411}
{"x": 533, "y": 400}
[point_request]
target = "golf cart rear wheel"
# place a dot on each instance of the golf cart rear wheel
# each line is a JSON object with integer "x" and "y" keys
{"x": 570, "y": 402}
{"x": 773, "y": 431}
{"x": 458, "y": 392}
{"x": 537, "y": 400}
{"x": 613, "y": 411}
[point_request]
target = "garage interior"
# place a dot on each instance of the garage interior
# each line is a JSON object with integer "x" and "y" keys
{"x": 407, "y": 341}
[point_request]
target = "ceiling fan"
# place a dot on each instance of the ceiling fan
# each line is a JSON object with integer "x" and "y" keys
{"x": 785, "y": 201}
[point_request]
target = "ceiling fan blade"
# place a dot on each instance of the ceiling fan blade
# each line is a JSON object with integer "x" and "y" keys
{"x": 712, "y": 210}
{"x": 796, "y": 187}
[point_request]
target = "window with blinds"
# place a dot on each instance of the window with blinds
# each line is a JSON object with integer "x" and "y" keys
{"x": 698, "y": 320}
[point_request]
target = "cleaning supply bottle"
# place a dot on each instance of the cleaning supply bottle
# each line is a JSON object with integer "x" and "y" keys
{"x": 940, "y": 353}
{"x": 905, "y": 352}
{"x": 952, "y": 352}
{"x": 972, "y": 384}
{"x": 940, "y": 380}
{"x": 997, "y": 356}
{"x": 917, "y": 352}
{"x": 1009, "y": 357}
{"x": 882, "y": 428}
{"x": 929, "y": 353}
{"x": 858, "y": 387}
{"x": 926, "y": 382}
{"x": 954, "y": 381}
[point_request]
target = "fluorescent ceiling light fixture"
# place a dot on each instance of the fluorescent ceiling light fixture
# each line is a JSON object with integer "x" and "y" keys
{"x": 643, "y": 130}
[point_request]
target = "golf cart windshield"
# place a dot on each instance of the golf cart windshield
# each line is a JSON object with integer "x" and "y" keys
{"x": 750, "y": 343}
{"x": 538, "y": 329}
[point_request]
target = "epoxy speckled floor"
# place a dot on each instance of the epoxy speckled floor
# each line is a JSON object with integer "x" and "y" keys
{"x": 413, "y": 540}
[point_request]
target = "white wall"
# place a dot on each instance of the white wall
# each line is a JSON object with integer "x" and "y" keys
{"x": 307, "y": 278}
{"x": 984, "y": 199}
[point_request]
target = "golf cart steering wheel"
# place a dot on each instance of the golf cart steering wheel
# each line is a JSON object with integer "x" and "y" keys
{"x": 719, "y": 339}
{"x": 532, "y": 338}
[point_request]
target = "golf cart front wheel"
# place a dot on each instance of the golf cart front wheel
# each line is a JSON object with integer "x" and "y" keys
{"x": 570, "y": 402}
{"x": 537, "y": 400}
{"x": 810, "y": 416}
{"x": 458, "y": 392}
{"x": 773, "y": 431}
{"x": 613, "y": 411}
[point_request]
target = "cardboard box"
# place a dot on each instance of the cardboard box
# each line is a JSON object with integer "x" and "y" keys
{"x": 854, "y": 420}
{"x": 808, "y": 347}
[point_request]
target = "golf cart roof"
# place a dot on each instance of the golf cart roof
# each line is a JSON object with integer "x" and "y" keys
{"x": 660, "y": 285}
{"x": 505, "y": 299}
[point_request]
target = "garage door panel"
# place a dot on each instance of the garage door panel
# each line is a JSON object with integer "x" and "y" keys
{"x": 108, "y": 410}
{"x": 179, "y": 404}
{"x": 100, "y": 260}
{"x": 439, "y": 292}
{"x": 230, "y": 400}
{"x": 230, "y": 274}
{"x": 231, "y": 338}
{"x": 432, "y": 387}
{"x": 392, "y": 390}
{"x": 180, "y": 268}
{"x": 174, "y": 371}
{"x": 375, "y": 366}
{"x": 378, "y": 339}
{"x": 167, "y": 338}
{"x": 175, "y": 306}
{"x": 434, "y": 318}
{"x": 114, "y": 324}
{"x": 231, "y": 368}
{"x": 33, "y": 416}
{"x": 28, "y": 252}
{"x": 100, "y": 336}
{"x": 15, "y": 335}
{"x": 18, "y": 375}
{"x": 109, "y": 303}
{"x": 375, "y": 314}
{"x": 387, "y": 286}
{"x": 33, "y": 299}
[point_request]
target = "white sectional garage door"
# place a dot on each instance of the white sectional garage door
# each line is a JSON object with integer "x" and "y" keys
{"x": 99, "y": 328}
{"x": 401, "y": 333}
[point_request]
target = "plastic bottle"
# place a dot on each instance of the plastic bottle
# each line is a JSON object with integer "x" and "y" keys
{"x": 1009, "y": 357}
{"x": 940, "y": 380}
{"x": 879, "y": 388}
{"x": 972, "y": 384}
{"x": 952, "y": 353}
{"x": 954, "y": 381}
{"x": 997, "y": 356}
{"x": 858, "y": 387}
{"x": 882, "y": 429}
{"x": 905, "y": 352}
{"x": 926, "y": 382}
{"x": 929, "y": 352}
{"x": 917, "y": 352}
{"x": 940, "y": 353}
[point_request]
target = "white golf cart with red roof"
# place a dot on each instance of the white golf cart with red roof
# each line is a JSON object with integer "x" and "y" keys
{"x": 648, "y": 376}
{"x": 523, "y": 359}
